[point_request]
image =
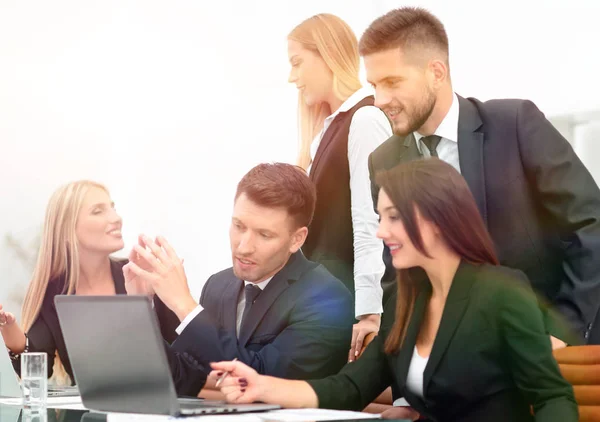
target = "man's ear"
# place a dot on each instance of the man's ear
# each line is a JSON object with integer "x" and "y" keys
{"x": 298, "y": 239}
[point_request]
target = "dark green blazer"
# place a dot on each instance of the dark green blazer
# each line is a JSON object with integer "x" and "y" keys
{"x": 491, "y": 359}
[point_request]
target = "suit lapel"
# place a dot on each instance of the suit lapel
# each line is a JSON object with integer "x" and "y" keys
{"x": 456, "y": 304}
{"x": 292, "y": 271}
{"x": 230, "y": 303}
{"x": 470, "y": 152}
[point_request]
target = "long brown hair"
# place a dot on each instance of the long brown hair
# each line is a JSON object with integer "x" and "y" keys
{"x": 443, "y": 198}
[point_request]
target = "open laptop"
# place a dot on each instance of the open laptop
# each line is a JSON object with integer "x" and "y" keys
{"x": 119, "y": 359}
{"x": 10, "y": 386}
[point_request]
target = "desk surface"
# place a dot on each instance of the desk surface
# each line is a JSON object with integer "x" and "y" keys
{"x": 16, "y": 414}
{"x": 10, "y": 413}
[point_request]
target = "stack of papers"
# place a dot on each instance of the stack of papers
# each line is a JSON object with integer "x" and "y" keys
{"x": 72, "y": 402}
{"x": 284, "y": 415}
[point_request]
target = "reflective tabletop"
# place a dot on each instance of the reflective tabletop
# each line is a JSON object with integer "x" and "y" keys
{"x": 17, "y": 414}
{"x": 10, "y": 413}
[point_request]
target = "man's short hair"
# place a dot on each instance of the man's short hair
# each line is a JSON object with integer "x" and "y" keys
{"x": 280, "y": 185}
{"x": 409, "y": 28}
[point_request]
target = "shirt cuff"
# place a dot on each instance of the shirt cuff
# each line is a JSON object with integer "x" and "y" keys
{"x": 189, "y": 318}
{"x": 369, "y": 300}
{"x": 400, "y": 402}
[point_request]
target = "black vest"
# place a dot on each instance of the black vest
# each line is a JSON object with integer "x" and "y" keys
{"x": 330, "y": 238}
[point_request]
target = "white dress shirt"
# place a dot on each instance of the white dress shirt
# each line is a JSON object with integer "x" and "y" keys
{"x": 447, "y": 149}
{"x": 414, "y": 379}
{"x": 369, "y": 128}
{"x": 240, "y": 309}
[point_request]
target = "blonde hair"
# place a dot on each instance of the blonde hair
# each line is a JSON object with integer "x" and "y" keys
{"x": 58, "y": 255}
{"x": 332, "y": 39}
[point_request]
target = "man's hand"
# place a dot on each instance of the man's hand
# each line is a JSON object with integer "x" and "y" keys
{"x": 556, "y": 343}
{"x": 162, "y": 270}
{"x": 368, "y": 324}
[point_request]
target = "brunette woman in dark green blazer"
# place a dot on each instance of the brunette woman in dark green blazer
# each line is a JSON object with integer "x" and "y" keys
{"x": 462, "y": 340}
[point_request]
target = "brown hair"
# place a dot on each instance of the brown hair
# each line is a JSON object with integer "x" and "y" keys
{"x": 409, "y": 28}
{"x": 442, "y": 197}
{"x": 281, "y": 185}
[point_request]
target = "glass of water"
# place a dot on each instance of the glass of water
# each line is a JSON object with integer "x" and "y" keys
{"x": 34, "y": 379}
{"x": 30, "y": 414}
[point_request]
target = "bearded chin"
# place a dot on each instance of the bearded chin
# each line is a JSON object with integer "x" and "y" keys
{"x": 419, "y": 116}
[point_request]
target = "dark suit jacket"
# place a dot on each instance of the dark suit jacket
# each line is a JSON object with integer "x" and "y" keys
{"x": 539, "y": 202}
{"x": 491, "y": 358}
{"x": 45, "y": 334}
{"x": 299, "y": 327}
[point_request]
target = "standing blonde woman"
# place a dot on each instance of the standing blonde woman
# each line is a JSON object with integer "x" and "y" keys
{"x": 81, "y": 230}
{"x": 339, "y": 127}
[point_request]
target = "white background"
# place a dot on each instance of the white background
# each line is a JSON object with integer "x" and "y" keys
{"x": 169, "y": 103}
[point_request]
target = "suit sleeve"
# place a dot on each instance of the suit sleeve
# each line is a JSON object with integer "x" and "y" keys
{"x": 314, "y": 341}
{"x": 529, "y": 355}
{"x": 167, "y": 320}
{"x": 189, "y": 375}
{"x": 40, "y": 340}
{"x": 568, "y": 193}
{"x": 358, "y": 383}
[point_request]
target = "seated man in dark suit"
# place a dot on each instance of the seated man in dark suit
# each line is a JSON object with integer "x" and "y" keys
{"x": 276, "y": 311}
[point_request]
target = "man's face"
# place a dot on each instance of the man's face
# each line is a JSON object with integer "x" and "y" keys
{"x": 262, "y": 239}
{"x": 402, "y": 89}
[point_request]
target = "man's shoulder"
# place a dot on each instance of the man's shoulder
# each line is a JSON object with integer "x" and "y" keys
{"x": 388, "y": 146}
{"x": 498, "y": 107}
{"x": 318, "y": 280}
{"x": 218, "y": 282}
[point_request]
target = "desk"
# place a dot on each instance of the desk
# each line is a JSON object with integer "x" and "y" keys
{"x": 16, "y": 414}
{"x": 10, "y": 413}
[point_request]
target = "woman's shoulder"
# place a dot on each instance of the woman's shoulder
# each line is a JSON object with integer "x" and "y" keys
{"x": 118, "y": 262}
{"x": 498, "y": 280}
{"x": 369, "y": 113}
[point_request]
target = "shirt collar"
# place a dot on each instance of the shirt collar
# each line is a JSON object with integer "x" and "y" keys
{"x": 448, "y": 129}
{"x": 351, "y": 101}
{"x": 261, "y": 285}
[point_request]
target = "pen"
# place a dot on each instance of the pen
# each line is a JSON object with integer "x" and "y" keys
{"x": 220, "y": 380}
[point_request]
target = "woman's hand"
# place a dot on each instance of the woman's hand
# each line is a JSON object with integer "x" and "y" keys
{"x": 367, "y": 324}
{"x": 242, "y": 384}
{"x": 6, "y": 318}
{"x": 401, "y": 412}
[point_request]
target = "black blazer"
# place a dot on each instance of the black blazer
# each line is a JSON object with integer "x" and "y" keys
{"x": 45, "y": 334}
{"x": 299, "y": 327}
{"x": 491, "y": 358}
{"x": 539, "y": 202}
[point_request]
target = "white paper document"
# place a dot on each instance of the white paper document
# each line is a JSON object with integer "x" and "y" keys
{"x": 293, "y": 415}
{"x": 284, "y": 415}
{"x": 133, "y": 417}
{"x": 70, "y": 402}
